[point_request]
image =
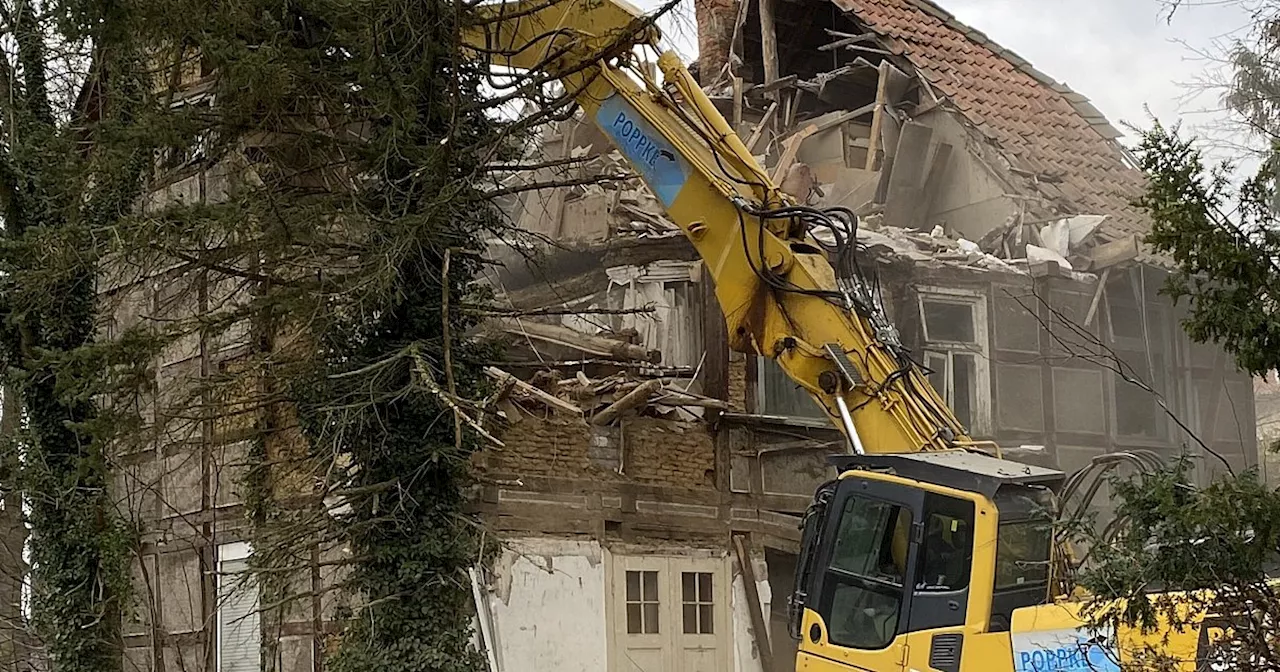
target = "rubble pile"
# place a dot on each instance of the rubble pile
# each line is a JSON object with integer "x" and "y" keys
{"x": 600, "y": 401}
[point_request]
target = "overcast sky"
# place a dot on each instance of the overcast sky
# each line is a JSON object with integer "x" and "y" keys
{"x": 1122, "y": 54}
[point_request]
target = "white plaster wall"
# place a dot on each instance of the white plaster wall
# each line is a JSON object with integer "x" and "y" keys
{"x": 548, "y": 606}
{"x": 746, "y": 658}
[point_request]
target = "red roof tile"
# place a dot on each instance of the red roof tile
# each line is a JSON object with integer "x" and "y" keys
{"x": 1041, "y": 125}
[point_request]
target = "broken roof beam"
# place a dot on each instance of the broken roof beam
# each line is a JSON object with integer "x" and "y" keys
{"x": 770, "y": 87}
{"x": 551, "y": 400}
{"x": 846, "y": 41}
{"x": 575, "y": 340}
{"x": 889, "y": 89}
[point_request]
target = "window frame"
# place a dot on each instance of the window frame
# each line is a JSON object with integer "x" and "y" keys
{"x": 976, "y": 300}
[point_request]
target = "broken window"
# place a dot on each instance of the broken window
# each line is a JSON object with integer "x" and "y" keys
{"x": 642, "y": 602}
{"x": 779, "y": 395}
{"x": 696, "y": 598}
{"x": 955, "y": 353}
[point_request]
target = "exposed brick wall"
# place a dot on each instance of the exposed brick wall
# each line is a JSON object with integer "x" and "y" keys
{"x": 715, "y": 34}
{"x": 655, "y": 451}
{"x": 538, "y": 447}
{"x": 670, "y": 453}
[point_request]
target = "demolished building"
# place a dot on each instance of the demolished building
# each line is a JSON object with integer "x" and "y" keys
{"x": 650, "y": 482}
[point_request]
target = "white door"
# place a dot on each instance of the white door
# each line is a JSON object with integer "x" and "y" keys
{"x": 670, "y": 614}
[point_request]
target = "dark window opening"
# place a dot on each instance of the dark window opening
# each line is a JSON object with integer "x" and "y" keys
{"x": 697, "y": 602}
{"x": 642, "y": 602}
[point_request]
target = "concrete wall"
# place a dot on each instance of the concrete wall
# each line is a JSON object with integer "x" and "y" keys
{"x": 548, "y": 606}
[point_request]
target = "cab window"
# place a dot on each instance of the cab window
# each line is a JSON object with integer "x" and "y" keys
{"x": 1022, "y": 554}
{"x": 865, "y": 577}
{"x": 947, "y": 554}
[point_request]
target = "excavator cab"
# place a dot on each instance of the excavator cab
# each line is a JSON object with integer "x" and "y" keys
{"x": 918, "y": 561}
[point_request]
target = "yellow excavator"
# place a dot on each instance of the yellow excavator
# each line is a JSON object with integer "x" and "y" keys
{"x": 929, "y": 551}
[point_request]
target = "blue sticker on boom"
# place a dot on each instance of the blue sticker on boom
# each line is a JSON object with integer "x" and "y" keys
{"x": 662, "y": 168}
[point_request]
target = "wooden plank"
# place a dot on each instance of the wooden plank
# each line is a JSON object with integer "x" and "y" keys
{"x": 754, "y": 605}
{"x": 568, "y": 338}
{"x": 1115, "y": 252}
{"x": 768, "y": 41}
{"x": 793, "y": 108}
{"x": 780, "y": 83}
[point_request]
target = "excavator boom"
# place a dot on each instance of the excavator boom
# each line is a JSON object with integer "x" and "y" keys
{"x": 781, "y": 295}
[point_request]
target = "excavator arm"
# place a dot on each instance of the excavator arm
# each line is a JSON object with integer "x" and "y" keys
{"x": 776, "y": 281}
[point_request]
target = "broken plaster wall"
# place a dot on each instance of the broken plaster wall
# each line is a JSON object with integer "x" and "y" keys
{"x": 970, "y": 201}
{"x": 547, "y": 599}
{"x": 746, "y": 653}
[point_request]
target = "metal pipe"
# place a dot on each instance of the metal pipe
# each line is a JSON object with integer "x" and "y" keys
{"x": 849, "y": 429}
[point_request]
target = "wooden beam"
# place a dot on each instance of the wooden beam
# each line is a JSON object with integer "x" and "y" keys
{"x": 1097, "y": 296}
{"x": 568, "y": 338}
{"x": 759, "y": 130}
{"x": 1115, "y": 252}
{"x": 754, "y": 605}
{"x": 768, "y": 41}
{"x": 629, "y": 401}
{"x": 877, "y": 121}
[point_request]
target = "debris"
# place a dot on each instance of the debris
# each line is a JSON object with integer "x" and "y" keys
{"x": 1056, "y": 237}
{"x": 1082, "y": 226}
{"x": 1037, "y": 254}
{"x": 799, "y": 183}
{"x": 525, "y": 388}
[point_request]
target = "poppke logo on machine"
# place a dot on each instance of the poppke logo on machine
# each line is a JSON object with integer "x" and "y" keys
{"x": 662, "y": 168}
{"x": 1067, "y": 650}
